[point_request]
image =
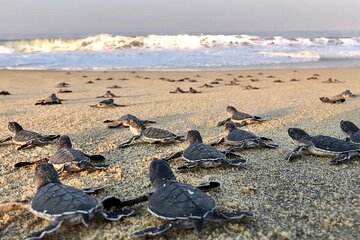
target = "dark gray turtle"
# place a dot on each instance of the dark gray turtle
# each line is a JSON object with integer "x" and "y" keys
{"x": 52, "y": 99}
{"x": 351, "y": 130}
{"x": 108, "y": 103}
{"x": 150, "y": 135}
{"x": 347, "y": 94}
{"x": 181, "y": 204}
{"x": 64, "y": 91}
{"x": 4, "y": 93}
{"x": 192, "y": 90}
{"x": 68, "y": 159}
{"x": 63, "y": 85}
{"x": 114, "y": 87}
{"x": 239, "y": 118}
{"x": 322, "y": 145}
{"x": 239, "y": 138}
{"x": 178, "y": 90}
{"x": 333, "y": 100}
{"x": 123, "y": 121}
{"x": 108, "y": 94}
{"x": 249, "y": 87}
{"x": 62, "y": 204}
{"x": 206, "y": 86}
{"x": 27, "y": 138}
{"x": 200, "y": 154}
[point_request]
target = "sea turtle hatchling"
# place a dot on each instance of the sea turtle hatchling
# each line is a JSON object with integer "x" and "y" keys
{"x": 27, "y": 138}
{"x": 322, "y": 145}
{"x": 62, "y": 204}
{"x": 123, "y": 121}
{"x": 179, "y": 204}
{"x": 108, "y": 94}
{"x": 52, "y": 99}
{"x": 107, "y": 103}
{"x": 149, "y": 134}
{"x": 239, "y": 118}
{"x": 199, "y": 154}
{"x": 68, "y": 159}
{"x": 351, "y": 130}
{"x": 238, "y": 138}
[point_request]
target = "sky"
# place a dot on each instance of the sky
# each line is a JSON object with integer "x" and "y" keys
{"x": 85, "y": 17}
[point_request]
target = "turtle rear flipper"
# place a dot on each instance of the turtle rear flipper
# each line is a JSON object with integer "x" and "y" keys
{"x": 173, "y": 156}
{"x": 5, "y": 139}
{"x": 117, "y": 215}
{"x": 92, "y": 190}
{"x": 24, "y": 164}
{"x": 49, "y": 229}
{"x": 344, "y": 157}
{"x": 265, "y": 139}
{"x": 236, "y": 162}
{"x": 110, "y": 202}
{"x": 115, "y": 125}
{"x": 221, "y": 140}
{"x": 148, "y": 122}
{"x": 267, "y": 145}
{"x": 152, "y": 231}
{"x": 188, "y": 166}
{"x": 233, "y": 215}
{"x": 96, "y": 158}
{"x": 223, "y": 122}
{"x": 207, "y": 186}
{"x": 109, "y": 121}
{"x": 180, "y": 138}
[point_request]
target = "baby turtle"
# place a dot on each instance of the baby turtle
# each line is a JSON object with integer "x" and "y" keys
{"x": 4, "y": 93}
{"x": 206, "y": 86}
{"x": 64, "y": 91}
{"x": 68, "y": 159}
{"x": 123, "y": 121}
{"x": 27, "y": 138}
{"x": 114, "y": 87}
{"x": 108, "y": 103}
{"x": 347, "y": 94}
{"x": 240, "y": 118}
{"x": 178, "y": 90}
{"x": 332, "y": 100}
{"x": 150, "y": 134}
{"x": 351, "y": 130}
{"x": 52, "y": 99}
{"x": 239, "y": 138}
{"x": 322, "y": 145}
{"x": 199, "y": 154}
{"x": 89, "y": 82}
{"x": 192, "y": 90}
{"x": 249, "y": 87}
{"x": 63, "y": 85}
{"x": 108, "y": 94}
{"x": 330, "y": 80}
{"x": 181, "y": 204}
{"x": 232, "y": 83}
{"x": 62, "y": 204}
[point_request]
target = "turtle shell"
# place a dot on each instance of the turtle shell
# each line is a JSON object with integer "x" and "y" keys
{"x": 330, "y": 144}
{"x": 55, "y": 200}
{"x": 355, "y": 137}
{"x": 156, "y": 133}
{"x": 240, "y": 116}
{"x": 24, "y": 135}
{"x": 200, "y": 151}
{"x": 239, "y": 135}
{"x": 65, "y": 154}
{"x": 174, "y": 200}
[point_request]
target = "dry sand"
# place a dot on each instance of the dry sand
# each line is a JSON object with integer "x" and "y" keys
{"x": 304, "y": 199}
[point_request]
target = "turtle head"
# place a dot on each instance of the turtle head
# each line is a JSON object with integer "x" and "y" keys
{"x": 193, "y": 136}
{"x": 348, "y": 127}
{"x": 299, "y": 136}
{"x": 160, "y": 172}
{"x": 231, "y": 109}
{"x": 14, "y": 127}
{"x": 136, "y": 127}
{"x": 64, "y": 141}
{"x": 230, "y": 126}
{"x": 45, "y": 173}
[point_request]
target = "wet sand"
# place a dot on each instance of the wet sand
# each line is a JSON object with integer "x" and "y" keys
{"x": 304, "y": 199}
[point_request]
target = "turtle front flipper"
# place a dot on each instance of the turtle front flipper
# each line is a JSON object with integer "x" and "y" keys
{"x": 229, "y": 152}
{"x": 92, "y": 190}
{"x": 344, "y": 157}
{"x": 223, "y": 122}
{"x": 5, "y": 140}
{"x": 295, "y": 152}
{"x": 49, "y": 229}
{"x": 208, "y": 186}
{"x": 24, "y": 164}
{"x": 82, "y": 166}
{"x": 232, "y": 215}
{"x": 95, "y": 158}
{"x": 16, "y": 205}
{"x": 128, "y": 143}
{"x": 189, "y": 166}
{"x": 221, "y": 140}
{"x": 173, "y": 156}
{"x": 155, "y": 230}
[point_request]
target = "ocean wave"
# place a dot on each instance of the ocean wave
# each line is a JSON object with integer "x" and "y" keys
{"x": 105, "y": 42}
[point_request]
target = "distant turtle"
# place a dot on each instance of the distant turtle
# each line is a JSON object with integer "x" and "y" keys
{"x": 322, "y": 145}
{"x": 330, "y": 80}
{"x": 346, "y": 94}
{"x": 278, "y": 81}
{"x": 27, "y": 138}
{"x": 4, "y": 93}
{"x": 150, "y": 134}
{"x": 114, "y": 86}
{"x": 89, "y": 82}
{"x": 232, "y": 83}
{"x": 206, "y": 86}
{"x": 199, "y": 154}
{"x": 351, "y": 130}
{"x": 238, "y": 138}
{"x": 65, "y": 205}
{"x": 181, "y": 205}
{"x": 68, "y": 159}
{"x": 108, "y": 103}
{"x": 123, "y": 121}
{"x": 64, "y": 91}
{"x": 254, "y": 80}
{"x": 249, "y": 87}
{"x": 239, "y": 118}
{"x": 52, "y": 99}
{"x": 108, "y": 94}
{"x": 178, "y": 90}
{"x": 192, "y": 90}
{"x": 63, "y": 85}
{"x": 332, "y": 100}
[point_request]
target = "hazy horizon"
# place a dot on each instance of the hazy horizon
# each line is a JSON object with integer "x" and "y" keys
{"x": 142, "y": 17}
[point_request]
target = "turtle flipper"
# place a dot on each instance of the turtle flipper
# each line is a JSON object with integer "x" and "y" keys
{"x": 229, "y": 152}
{"x": 207, "y": 186}
{"x": 188, "y": 166}
{"x": 295, "y": 152}
{"x": 233, "y": 215}
{"x": 236, "y": 162}
{"x": 110, "y": 202}
{"x": 24, "y": 164}
{"x": 128, "y": 143}
{"x": 344, "y": 157}
{"x": 221, "y": 140}
{"x": 180, "y": 138}
{"x": 109, "y": 121}
{"x": 5, "y": 139}
{"x": 117, "y": 215}
{"x": 93, "y": 190}
{"x": 223, "y": 122}
{"x": 265, "y": 139}
{"x": 173, "y": 156}
{"x": 115, "y": 125}
{"x": 95, "y": 158}
{"x": 155, "y": 230}
{"x": 49, "y": 229}
{"x": 235, "y": 148}
{"x": 147, "y": 121}
{"x": 16, "y": 205}
{"x": 266, "y": 145}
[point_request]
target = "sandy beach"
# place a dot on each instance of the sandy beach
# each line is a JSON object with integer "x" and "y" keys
{"x": 304, "y": 199}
